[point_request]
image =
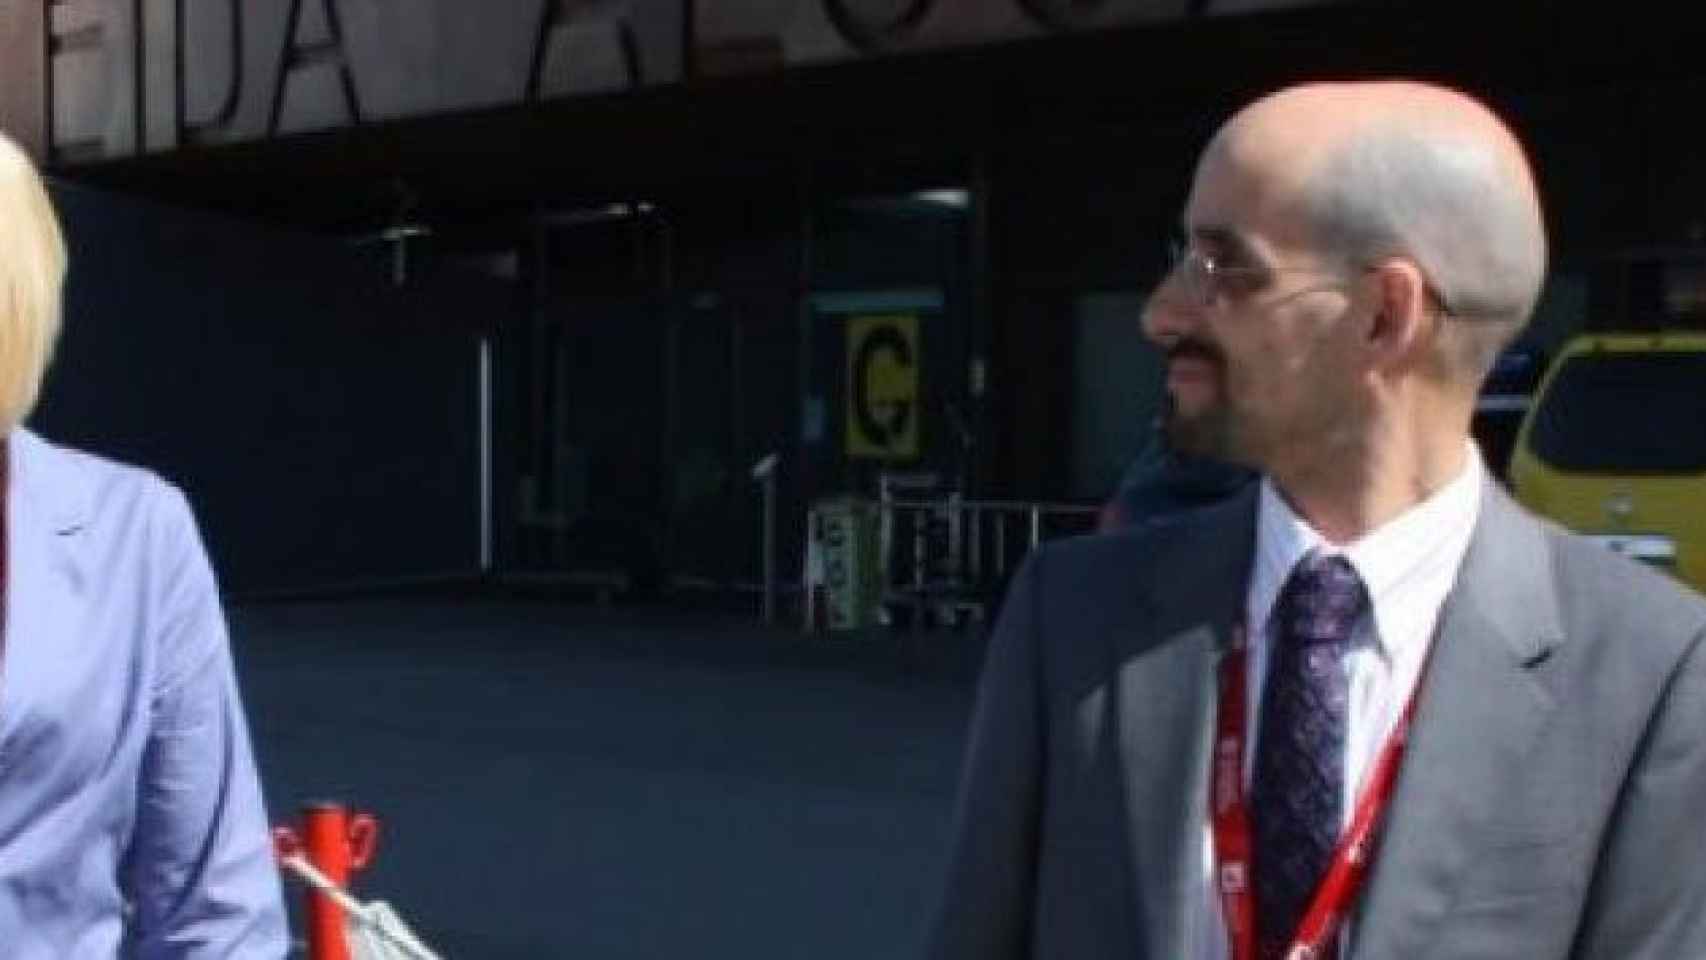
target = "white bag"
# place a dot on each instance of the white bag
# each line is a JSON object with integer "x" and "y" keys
{"x": 373, "y": 930}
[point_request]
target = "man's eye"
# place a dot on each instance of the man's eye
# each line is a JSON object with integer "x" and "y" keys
{"x": 1238, "y": 278}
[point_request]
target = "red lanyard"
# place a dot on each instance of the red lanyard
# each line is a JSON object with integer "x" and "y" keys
{"x": 1233, "y": 842}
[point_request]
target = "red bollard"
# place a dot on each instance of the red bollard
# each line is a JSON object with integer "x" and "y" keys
{"x": 337, "y": 843}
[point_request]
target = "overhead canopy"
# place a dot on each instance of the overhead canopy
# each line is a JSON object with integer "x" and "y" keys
{"x": 322, "y": 113}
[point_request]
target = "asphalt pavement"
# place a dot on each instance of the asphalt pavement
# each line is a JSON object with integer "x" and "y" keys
{"x": 559, "y": 781}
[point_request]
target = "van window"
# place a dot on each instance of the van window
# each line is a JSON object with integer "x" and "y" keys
{"x": 1625, "y": 413}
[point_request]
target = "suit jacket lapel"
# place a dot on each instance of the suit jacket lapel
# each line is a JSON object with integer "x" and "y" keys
{"x": 1481, "y": 705}
{"x": 47, "y": 507}
{"x": 1164, "y": 667}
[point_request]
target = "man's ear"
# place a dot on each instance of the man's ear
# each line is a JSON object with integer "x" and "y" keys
{"x": 1403, "y": 315}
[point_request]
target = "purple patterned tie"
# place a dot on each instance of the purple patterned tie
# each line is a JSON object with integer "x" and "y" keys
{"x": 1297, "y": 796}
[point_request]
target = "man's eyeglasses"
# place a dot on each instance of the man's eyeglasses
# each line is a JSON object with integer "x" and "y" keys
{"x": 1205, "y": 278}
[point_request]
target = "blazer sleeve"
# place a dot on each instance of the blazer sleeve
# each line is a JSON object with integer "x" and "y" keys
{"x": 1648, "y": 896}
{"x": 201, "y": 870}
{"x": 988, "y": 895}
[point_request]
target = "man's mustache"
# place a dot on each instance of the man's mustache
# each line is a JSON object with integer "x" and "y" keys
{"x": 1192, "y": 348}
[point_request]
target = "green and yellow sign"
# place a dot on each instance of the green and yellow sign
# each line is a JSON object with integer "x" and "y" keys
{"x": 882, "y": 387}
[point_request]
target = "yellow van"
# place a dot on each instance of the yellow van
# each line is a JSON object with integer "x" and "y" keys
{"x": 1614, "y": 447}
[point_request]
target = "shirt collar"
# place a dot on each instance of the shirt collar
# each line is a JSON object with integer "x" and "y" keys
{"x": 1429, "y": 538}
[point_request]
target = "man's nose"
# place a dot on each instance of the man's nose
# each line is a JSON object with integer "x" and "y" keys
{"x": 1167, "y": 316}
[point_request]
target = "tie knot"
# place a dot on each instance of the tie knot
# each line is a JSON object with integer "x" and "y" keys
{"x": 1321, "y": 601}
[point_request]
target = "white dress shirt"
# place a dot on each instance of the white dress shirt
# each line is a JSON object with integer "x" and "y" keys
{"x": 1408, "y": 565}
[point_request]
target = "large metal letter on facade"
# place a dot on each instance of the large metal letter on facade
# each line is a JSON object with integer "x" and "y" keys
{"x": 593, "y": 54}
{"x": 94, "y": 109}
{"x": 871, "y": 31}
{"x": 207, "y": 129}
{"x": 306, "y": 55}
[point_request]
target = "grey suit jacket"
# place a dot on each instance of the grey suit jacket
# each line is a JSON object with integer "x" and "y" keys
{"x": 1551, "y": 803}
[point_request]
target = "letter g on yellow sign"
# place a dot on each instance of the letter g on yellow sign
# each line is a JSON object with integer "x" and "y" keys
{"x": 882, "y": 387}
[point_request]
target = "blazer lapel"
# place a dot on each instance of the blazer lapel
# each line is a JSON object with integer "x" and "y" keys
{"x": 1481, "y": 705}
{"x": 1164, "y": 668}
{"x": 47, "y": 508}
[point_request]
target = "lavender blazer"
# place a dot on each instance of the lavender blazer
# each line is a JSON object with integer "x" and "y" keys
{"x": 131, "y": 816}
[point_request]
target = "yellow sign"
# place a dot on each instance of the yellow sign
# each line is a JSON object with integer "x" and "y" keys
{"x": 883, "y": 407}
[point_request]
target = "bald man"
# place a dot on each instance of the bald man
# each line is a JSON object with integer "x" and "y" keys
{"x": 1369, "y": 708}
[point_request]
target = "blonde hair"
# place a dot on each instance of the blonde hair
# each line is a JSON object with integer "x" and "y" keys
{"x": 32, "y": 274}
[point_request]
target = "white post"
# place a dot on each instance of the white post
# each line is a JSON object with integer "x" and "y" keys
{"x": 485, "y": 401}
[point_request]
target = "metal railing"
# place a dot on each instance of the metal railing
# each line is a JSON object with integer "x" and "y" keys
{"x": 947, "y": 559}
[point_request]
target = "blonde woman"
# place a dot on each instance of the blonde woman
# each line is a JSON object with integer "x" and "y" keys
{"x": 131, "y": 818}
